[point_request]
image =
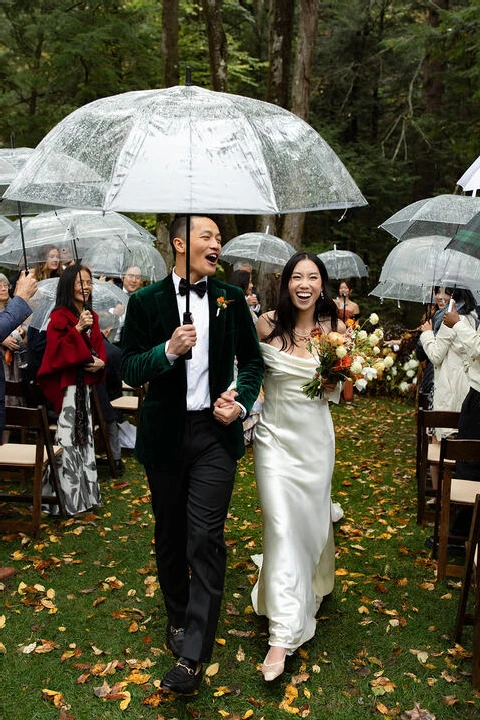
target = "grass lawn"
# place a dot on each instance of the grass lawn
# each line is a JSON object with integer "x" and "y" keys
{"x": 82, "y": 623}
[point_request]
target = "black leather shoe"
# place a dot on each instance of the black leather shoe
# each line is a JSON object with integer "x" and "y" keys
{"x": 119, "y": 469}
{"x": 184, "y": 678}
{"x": 175, "y": 637}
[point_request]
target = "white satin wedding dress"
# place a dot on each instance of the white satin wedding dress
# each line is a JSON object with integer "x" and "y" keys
{"x": 294, "y": 456}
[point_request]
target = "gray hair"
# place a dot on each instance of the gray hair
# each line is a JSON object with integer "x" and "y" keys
{"x": 3, "y": 278}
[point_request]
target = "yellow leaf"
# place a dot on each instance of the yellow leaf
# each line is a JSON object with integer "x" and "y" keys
{"x": 422, "y": 657}
{"x": 133, "y": 627}
{"x": 240, "y": 654}
{"x": 363, "y": 610}
{"x": 3, "y": 649}
{"x": 248, "y": 714}
{"x": 212, "y": 669}
{"x": 224, "y": 713}
{"x": 126, "y": 700}
{"x": 220, "y": 641}
{"x": 3, "y": 621}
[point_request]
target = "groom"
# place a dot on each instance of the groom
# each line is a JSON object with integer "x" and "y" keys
{"x": 190, "y": 433}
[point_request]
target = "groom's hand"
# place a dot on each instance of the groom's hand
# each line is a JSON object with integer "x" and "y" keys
{"x": 225, "y": 409}
{"x": 183, "y": 339}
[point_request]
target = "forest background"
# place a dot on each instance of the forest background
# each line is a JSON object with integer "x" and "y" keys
{"x": 392, "y": 86}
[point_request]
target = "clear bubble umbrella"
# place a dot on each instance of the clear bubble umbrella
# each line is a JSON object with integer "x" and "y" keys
{"x": 470, "y": 180}
{"x": 185, "y": 149}
{"x": 113, "y": 258}
{"x": 105, "y": 297}
{"x": 343, "y": 264}
{"x": 262, "y": 251}
{"x": 415, "y": 266}
{"x": 6, "y": 227}
{"x": 73, "y": 231}
{"x": 440, "y": 215}
{"x": 11, "y": 161}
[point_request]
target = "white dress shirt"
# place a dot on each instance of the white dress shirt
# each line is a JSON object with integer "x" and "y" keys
{"x": 198, "y": 386}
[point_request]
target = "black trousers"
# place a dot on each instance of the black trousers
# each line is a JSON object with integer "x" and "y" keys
{"x": 190, "y": 505}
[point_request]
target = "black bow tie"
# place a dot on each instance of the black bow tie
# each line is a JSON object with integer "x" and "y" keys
{"x": 200, "y": 287}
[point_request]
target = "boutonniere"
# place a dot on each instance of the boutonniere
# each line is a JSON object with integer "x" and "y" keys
{"x": 222, "y": 304}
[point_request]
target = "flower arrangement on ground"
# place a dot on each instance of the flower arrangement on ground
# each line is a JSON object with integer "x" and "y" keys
{"x": 355, "y": 356}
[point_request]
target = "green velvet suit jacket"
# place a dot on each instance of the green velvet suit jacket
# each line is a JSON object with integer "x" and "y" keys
{"x": 152, "y": 316}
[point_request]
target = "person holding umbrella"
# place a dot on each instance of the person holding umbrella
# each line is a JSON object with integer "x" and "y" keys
{"x": 190, "y": 432}
{"x": 74, "y": 360}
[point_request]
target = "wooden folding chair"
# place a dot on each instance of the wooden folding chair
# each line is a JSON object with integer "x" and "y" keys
{"x": 453, "y": 492}
{"x": 471, "y": 570}
{"x": 99, "y": 423}
{"x": 428, "y": 454}
{"x": 35, "y": 456}
{"x": 130, "y": 402}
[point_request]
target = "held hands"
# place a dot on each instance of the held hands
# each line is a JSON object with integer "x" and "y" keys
{"x": 451, "y": 318}
{"x": 95, "y": 366}
{"x": 85, "y": 321}
{"x": 182, "y": 340}
{"x": 225, "y": 409}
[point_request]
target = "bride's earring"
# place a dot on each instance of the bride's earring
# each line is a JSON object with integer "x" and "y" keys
{"x": 271, "y": 668}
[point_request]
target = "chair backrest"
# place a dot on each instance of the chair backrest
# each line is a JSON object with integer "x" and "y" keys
{"x": 431, "y": 419}
{"x": 459, "y": 449}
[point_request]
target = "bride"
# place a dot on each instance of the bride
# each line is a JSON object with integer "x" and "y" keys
{"x": 294, "y": 457}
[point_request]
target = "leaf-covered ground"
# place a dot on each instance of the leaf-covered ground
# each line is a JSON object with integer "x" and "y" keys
{"x": 82, "y": 624}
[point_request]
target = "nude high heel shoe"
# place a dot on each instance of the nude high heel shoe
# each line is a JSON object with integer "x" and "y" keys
{"x": 272, "y": 669}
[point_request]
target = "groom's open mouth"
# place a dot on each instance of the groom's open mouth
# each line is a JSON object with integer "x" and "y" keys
{"x": 212, "y": 258}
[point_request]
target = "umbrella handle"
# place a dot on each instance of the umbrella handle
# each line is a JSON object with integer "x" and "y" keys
{"x": 187, "y": 320}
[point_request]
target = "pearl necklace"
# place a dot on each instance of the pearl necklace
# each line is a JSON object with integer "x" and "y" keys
{"x": 302, "y": 335}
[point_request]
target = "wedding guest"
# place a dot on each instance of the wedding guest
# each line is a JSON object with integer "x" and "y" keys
{"x": 346, "y": 308}
{"x": 74, "y": 359}
{"x": 294, "y": 451}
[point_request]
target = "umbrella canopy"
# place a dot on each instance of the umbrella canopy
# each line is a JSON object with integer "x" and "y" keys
{"x": 11, "y": 160}
{"x": 113, "y": 258}
{"x": 440, "y": 215}
{"x": 261, "y": 250}
{"x": 187, "y": 150}
{"x": 414, "y": 266}
{"x": 467, "y": 238}
{"x": 6, "y": 227}
{"x": 470, "y": 180}
{"x": 105, "y": 296}
{"x": 62, "y": 227}
{"x": 343, "y": 264}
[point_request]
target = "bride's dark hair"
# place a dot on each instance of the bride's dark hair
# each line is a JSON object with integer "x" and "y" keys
{"x": 285, "y": 315}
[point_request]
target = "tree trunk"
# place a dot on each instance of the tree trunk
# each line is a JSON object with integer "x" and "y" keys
{"x": 281, "y": 17}
{"x": 163, "y": 241}
{"x": 307, "y": 32}
{"x": 432, "y": 95}
{"x": 217, "y": 43}
{"x": 170, "y": 43}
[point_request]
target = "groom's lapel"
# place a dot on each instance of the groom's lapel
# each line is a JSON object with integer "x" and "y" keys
{"x": 217, "y": 326}
{"x": 167, "y": 307}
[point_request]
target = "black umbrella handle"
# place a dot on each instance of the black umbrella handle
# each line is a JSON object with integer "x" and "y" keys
{"x": 187, "y": 320}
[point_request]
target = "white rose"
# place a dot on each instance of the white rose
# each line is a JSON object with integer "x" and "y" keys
{"x": 374, "y": 318}
{"x": 340, "y": 352}
{"x": 356, "y": 367}
{"x": 379, "y": 333}
{"x": 413, "y": 364}
{"x": 388, "y": 361}
{"x": 410, "y": 373}
{"x": 369, "y": 373}
{"x": 373, "y": 340}
{"x": 376, "y": 350}
{"x": 362, "y": 335}
{"x": 403, "y": 387}
{"x": 360, "y": 384}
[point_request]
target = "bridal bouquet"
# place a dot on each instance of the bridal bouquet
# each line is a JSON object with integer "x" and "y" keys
{"x": 333, "y": 361}
{"x": 355, "y": 356}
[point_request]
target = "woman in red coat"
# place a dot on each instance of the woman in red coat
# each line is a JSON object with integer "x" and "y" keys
{"x": 74, "y": 359}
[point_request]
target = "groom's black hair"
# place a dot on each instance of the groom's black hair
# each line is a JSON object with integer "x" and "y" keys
{"x": 178, "y": 226}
